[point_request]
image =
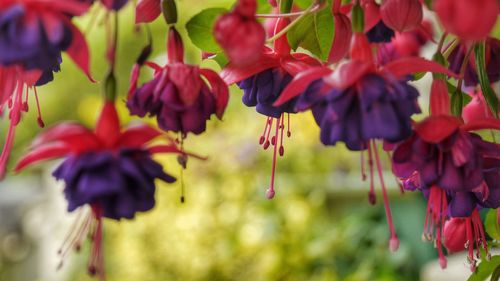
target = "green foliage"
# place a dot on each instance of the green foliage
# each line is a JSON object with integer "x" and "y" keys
{"x": 314, "y": 32}
{"x": 488, "y": 93}
{"x": 485, "y": 269}
{"x": 200, "y": 29}
{"x": 491, "y": 224}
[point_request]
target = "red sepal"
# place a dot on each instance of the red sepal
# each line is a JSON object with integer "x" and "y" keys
{"x": 439, "y": 99}
{"x": 482, "y": 124}
{"x": 77, "y": 137}
{"x": 300, "y": 83}
{"x": 78, "y": 51}
{"x": 147, "y": 11}
{"x": 298, "y": 63}
{"x": 44, "y": 152}
{"x": 347, "y": 74}
{"x": 219, "y": 90}
{"x": 436, "y": 128}
{"x": 172, "y": 148}
{"x": 410, "y": 65}
{"x": 233, "y": 73}
{"x": 137, "y": 136}
{"x": 108, "y": 125}
{"x": 186, "y": 79}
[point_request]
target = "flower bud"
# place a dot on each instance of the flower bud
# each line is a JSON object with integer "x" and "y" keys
{"x": 401, "y": 15}
{"x": 174, "y": 46}
{"x": 469, "y": 20}
{"x": 241, "y": 37}
{"x": 246, "y": 8}
{"x": 455, "y": 235}
{"x": 476, "y": 109}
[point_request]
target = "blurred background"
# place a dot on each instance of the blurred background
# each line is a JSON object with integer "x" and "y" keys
{"x": 319, "y": 227}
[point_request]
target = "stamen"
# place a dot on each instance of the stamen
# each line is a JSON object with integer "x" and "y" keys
{"x": 372, "y": 197}
{"x": 39, "y": 119}
{"x": 394, "y": 241}
{"x": 289, "y": 128}
{"x": 25, "y": 106}
{"x": 435, "y": 217}
{"x": 263, "y": 136}
{"x": 363, "y": 168}
{"x": 15, "y": 117}
{"x": 270, "y": 192}
{"x": 266, "y": 142}
{"x": 282, "y": 129}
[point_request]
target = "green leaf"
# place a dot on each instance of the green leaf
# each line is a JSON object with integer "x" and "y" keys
{"x": 496, "y": 274}
{"x": 488, "y": 93}
{"x": 491, "y": 224}
{"x": 485, "y": 269}
{"x": 452, "y": 89}
{"x": 314, "y": 32}
{"x": 200, "y": 29}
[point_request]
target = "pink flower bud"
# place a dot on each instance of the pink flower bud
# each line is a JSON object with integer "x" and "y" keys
{"x": 246, "y": 8}
{"x": 476, "y": 109}
{"x": 343, "y": 34}
{"x": 401, "y": 15}
{"x": 470, "y": 20}
{"x": 241, "y": 37}
{"x": 455, "y": 235}
{"x": 175, "y": 47}
{"x": 360, "y": 48}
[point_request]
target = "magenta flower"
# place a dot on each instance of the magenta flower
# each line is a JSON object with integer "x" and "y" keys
{"x": 109, "y": 169}
{"x": 178, "y": 95}
{"x": 263, "y": 82}
{"x": 33, "y": 33}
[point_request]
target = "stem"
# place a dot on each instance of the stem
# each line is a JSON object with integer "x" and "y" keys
{"x": 458, "y": 92}
{"x": 441, "y": 42}
{"x": 311, "y": 9}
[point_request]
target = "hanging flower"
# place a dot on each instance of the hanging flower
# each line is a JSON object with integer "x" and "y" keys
{"x": 453, "y": 167}
{"x": 374, "y": 27}
{"x": 33, "y": 34}
{"x": 178, "y": 95}
{"x": 263, "y": 83}
{"x": 240, "y": 34}
{"x": 492, "y": 58}
{"x": 109, "y": 169}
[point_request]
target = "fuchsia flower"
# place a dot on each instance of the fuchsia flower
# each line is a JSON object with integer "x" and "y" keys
{"x": 375, "y": 29}
{"x": 114, "y": 5}
{"x": 469, "y": 20}
{"x": 492, "y": 57}
{"x": 263, "y": 83}
{"x": 33, "y": 33}
{"x": 240, "y": 34}
{"x": 178, "y": 95}
{"x": 108, "y": 169}
{"x": 401, "y": 15}
{"x": 360, "y": 102}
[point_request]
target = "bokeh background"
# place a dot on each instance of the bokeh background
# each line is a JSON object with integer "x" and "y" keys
{"x": 319, "y": 227}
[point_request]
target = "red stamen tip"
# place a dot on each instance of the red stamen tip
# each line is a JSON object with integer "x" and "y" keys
{"x": 394, "y": 244}
{"x": 266, "y": 144}
{"x": 443, "y": 262}
{"x": 262, "y": 140}
{"x": 372, "y": 198}
{"x": 273, "y": 140}
{"x": 288, "y": 134}
{"x": 270, "y": 193}
{"x": 40, "y": 122}
{"x": 282, "y": 151}
{"x": 25, "y": 107}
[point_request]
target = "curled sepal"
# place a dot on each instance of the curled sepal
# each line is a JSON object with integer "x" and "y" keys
{"x": 137, "y": 136}
{"x": 410, "y": 65}
{"x": 281, "y": 45}
{"x": 218, "y": 89}
{"x": 482, "y": 124}
{"x": 300, "y": 83}
{"x": 437, "y": 128}
{"x": 342, "y": 39}
{"x": 74, "y": 135}
{"x": 78, "y": 51}
{"x": 43, "y": 152}
{"x": 360, "y": 48}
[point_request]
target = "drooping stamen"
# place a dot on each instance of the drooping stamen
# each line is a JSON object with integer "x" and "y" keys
{"x": 96, "y": 259}
{"x": 363, "y": 168}
{"x": 268, "y": 133}
{"x": 262, "y": 138}
{"x": 435, "y": 217}
{"x": 475, "y": 237}
{"x": 393, "y": 241}
{"x": 289, "y": 128}
{"x": 270, "y": 192}
{"x": 372, "y": 197}
{"x": 15, "y": 117}
{"x": 25, "y": 106}
{"x": 282, "y": 129}
{"x": 39, "y": 118}
{"x": 182, "y": 160}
